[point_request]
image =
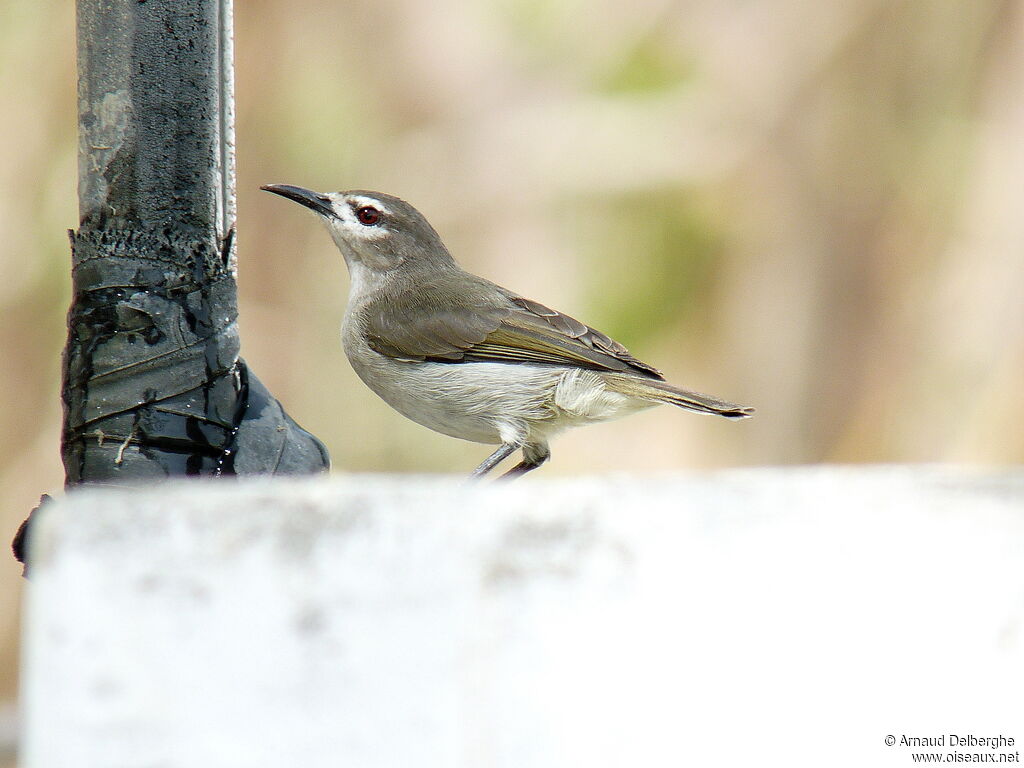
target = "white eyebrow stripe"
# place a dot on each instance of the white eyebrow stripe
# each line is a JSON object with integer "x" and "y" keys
{"x": 360, "y": 201}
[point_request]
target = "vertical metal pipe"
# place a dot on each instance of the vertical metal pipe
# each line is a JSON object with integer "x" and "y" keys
{"x": 153, "y": 384}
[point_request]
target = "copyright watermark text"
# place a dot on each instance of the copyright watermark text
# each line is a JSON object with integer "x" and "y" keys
{"x": 957, "y": 748}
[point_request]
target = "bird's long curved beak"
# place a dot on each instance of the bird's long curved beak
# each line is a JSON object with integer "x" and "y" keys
{"x": 319, "y": 203}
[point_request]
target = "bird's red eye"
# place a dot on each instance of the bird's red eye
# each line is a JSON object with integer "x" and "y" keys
{"x": 367, "y": 215}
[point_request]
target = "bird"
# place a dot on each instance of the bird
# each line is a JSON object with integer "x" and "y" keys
{"x": 466, "y": 357}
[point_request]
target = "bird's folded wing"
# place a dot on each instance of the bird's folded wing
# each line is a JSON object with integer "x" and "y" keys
{"x": 514, "y": 330}
{"x": 531, "y": 332}
{"x": 429, "y": 333}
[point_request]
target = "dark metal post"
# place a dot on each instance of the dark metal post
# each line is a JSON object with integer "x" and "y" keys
{"x": 153, "y": 384}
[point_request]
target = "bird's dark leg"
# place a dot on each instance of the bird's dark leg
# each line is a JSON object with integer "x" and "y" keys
{"x": 504, "y": 451}
{"x": 534, "y": 454}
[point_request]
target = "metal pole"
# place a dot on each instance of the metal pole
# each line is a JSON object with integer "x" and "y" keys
{"x": 153, "y": 384}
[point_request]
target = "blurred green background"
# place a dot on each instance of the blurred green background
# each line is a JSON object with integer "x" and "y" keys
{"x": 809, "y": 206}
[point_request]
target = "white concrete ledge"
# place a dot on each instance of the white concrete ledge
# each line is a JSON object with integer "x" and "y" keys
{"x": 763, "y": 617}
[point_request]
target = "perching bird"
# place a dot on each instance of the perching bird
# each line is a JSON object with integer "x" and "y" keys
{"x": 468, "y": 358}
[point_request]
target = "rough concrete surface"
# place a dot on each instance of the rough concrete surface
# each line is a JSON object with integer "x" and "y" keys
{"x": 750, "y": 617}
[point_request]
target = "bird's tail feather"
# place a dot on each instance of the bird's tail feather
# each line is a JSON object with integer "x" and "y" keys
{"x": 662, "y": 392}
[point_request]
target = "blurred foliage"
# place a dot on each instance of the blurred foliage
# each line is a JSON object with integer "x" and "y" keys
{"x": 651, "y": 65}
{"x": 810, "y": 207}
{"x": 656, "y": 255}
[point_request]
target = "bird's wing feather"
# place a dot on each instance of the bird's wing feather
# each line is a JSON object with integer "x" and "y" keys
{"x": 433, "y": 334}
{"x": 488, "y": 324}
{"x": 566, "y": 336}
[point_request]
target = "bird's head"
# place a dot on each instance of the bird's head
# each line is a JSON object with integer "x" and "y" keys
{"x": 376, "y": 231}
